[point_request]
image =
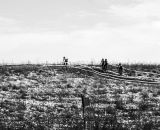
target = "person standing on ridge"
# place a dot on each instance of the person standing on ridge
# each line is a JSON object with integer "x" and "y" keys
{"x": 64, "y": 60}
{"x": 102, "y": 64}
{"x": 105, "y": 64}
{"x": 120, "y": 69}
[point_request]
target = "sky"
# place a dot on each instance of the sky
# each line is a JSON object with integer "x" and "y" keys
{"x": 82, "y": 30}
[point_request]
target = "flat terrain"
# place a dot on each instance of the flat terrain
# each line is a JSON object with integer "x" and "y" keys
{"x": 40, "y": 97}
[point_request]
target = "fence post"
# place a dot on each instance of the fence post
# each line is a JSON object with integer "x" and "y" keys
{"x": 83, "y": 106}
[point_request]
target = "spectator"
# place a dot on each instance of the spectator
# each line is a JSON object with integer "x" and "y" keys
{"x": 102, "y": 64}
{"x": 64, "y": 60}
{"x": 120, "y": 69}
{"x": 105, "y": 65}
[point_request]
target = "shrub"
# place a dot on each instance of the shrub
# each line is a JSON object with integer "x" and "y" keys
{"x": 144, "y": 95}
{"x": 23, "y": 94}
{"x": 110, "y": 110}
{"x": 143, "y": 106}
{"x": 158, "y": 92}
{"x": 135, "y": 90}
{"x": 148, "y": 126}
{"x": 119, "y": 104}
{"x": 69, "y": 86}
{"x": 21, "y": 106}
{"x": 5, "y": 88}
{"x": 15, "y": 87}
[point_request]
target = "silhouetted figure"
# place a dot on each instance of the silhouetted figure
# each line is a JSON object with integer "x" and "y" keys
{"x": 120, "y": 69}
{"x": 105, "y": 64}
{"x": 102, "y": 64}
{"x": 64, "y": 60}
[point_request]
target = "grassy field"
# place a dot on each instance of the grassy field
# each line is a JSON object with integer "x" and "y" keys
{"x": 42, "y": 98}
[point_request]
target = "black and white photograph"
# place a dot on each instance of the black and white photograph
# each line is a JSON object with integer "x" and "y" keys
{"x": 79, "y": 64}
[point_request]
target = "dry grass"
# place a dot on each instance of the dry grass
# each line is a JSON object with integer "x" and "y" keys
{"x": 36, "y": 98}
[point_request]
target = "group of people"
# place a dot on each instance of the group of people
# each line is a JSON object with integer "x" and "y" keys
{"x": 104, "y": 66}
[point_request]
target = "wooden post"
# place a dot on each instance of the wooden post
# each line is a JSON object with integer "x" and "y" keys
{"x": 84, "y": 118}
{"x": 83, "y": 105}
{"x": 85, "y": 102}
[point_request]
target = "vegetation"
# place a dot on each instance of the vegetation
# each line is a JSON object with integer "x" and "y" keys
{"x": 36, "y": 97}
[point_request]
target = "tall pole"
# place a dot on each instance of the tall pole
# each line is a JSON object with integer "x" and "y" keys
{"x": 83, "y": 105}
{"x": 84, "y": 119}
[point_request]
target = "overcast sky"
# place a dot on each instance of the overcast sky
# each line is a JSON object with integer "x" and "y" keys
{"x": 82, "y": 30}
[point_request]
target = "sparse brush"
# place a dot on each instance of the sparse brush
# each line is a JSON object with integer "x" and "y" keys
{"x": 69, "y": 86}
{"x": 143, "y": 106}
{"x": 139, "y": 74}
{"x": 119, "y": 104}
{"x": 21, "y": 106}
{"x": 118, "y": 91}
{"x": 148, "y": 125}
{"x": 130, "y": 99}
{"x": 84, "y": 91}
{"x": 158, "y": 92}
{"x": 110, "y": 110}
{"x": 144, "y": 95}
{"x": 136, "y": 90}
{"x": 23, "y": 93}
{"x": 5, "y": 88}
{"x": 16, "y": 87}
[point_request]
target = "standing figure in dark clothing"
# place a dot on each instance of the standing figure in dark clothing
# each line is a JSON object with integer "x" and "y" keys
{"x": 64, "y": 60}
{"x": 105, "y": 65}
{"x": 120, "y": 69}
{"x": 102, "y": 64}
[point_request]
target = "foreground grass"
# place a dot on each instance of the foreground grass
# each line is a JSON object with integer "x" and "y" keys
{"x": 32, "y": 97}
